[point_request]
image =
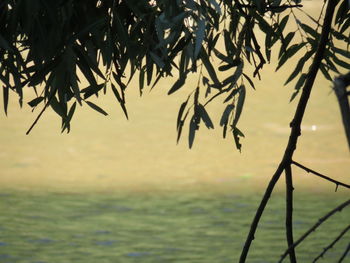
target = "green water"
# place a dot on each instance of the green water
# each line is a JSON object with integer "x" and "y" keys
{"x": 163, "y": 227}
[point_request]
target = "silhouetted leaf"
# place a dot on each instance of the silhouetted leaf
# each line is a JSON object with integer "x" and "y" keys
{"x": 240, "y": 103}
{"x": 35, "y": 101}
{"x": 91, "y": 90}
{"x": 5, "y": 97}
{"x": 298, "y": 69}
{"x": 55, "y": 105}
{"x": 178, "y": 84}
{"x": 96, "y": 108}
{"x": 298, "y": 85}
{"x": 181, "y": 111}
{"x": 309, "y": 30}
{"x": 291, "y": 51}
{"x": 325, "y": 72}
{"x": 120, "y": 100}
{"x": 205, "y": 117}
{"x": 200, "y": 33}
{"x": 249, "y": 80}
{"x": 210, "y": 69}
{"x": 236, "y": 135}
{"x": 194, "y": 125}
{"x": 226, "y": 114}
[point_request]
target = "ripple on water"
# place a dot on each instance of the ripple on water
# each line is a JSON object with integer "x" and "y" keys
{"x": 41, "y": 241}
{"x": 105, "y": 242}
{"x": 138, "y": 254}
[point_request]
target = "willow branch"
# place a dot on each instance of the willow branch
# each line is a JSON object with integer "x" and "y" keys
{"x": 320, "y": 175}
{"x": 295, "y": 126}
{"x": 289, "y": 213}
{"x": 332, "y": 244}
{"x": 314, "y": 227}
{"x": 345, "y": 253}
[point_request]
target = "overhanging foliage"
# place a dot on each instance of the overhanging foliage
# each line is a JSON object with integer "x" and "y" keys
{"x": 44, "y": 44}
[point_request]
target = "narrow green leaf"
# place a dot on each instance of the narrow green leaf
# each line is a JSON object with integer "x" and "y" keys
{"x": 298, "y": 85}
{"x": 229, "y": 46}
{"x": 236, "y": 135}
{"x": 310, "y": 30}
{"x": 209, "y": 67}
{"x": 157, "y": 60}
{"x": 181, "y": 111}
{"x": 194, "y": 125}
{"x": 71, "y": 112}
{"x": 87, "y": 60}
{"x": 120, "y": 100}
{"x": 299, "y": 67}
{"x": 226, "y": 114}
{"x": 340, "y": 62}
{"x": 205, "y": 117}
{"x": 249, "y": 80}
{"x": 283, "y": 23}
{"x": 342, "y": 52}
{"x": 232, "y": 94}
{"x": 234, "y": 63}
{"x": 200, "y": 34}
{"x": 291, "y": 51}
{"x": 233, "y": 78}
{"x": 142, "y": 79}
{"x": 240, "y": 103}
{"x": 91, "y": 90}
{"x": 55, "y": 105}
{"x": 178, "y": 84}
{"x": 69, "y": 118}
{"x": 325, "y": 72}
{"x": 5, "y": 91}
{"x": 96, "y": 108}
{"x": 35, "y": 101}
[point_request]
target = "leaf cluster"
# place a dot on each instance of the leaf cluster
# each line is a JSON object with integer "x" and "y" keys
{"x": 67, "y": 51}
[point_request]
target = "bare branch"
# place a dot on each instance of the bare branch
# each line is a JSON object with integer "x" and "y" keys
{"x": 272, "y": 7}
{"x": 332, "y": 244}
{"x": 295, "y": 125}
{"x": 321, "y": 175}
{"x": 314, "y": 227}
{"x": 345, "y": 253}
{"x": 289, "y": 213}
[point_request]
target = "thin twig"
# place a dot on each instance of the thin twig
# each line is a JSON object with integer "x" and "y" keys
{"x": 289, "y": 212}
{"x": 314, "y": 227}
{"x": 344, "y": 254}
{"x": 320, "y": 175}
{"x": 295, "y": 125}
{"x": 42, "y": 111}
{"x": 271, "y": 7}
{"x": 332, "y": 244}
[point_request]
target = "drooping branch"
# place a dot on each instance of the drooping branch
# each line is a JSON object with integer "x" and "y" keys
{"x": 295, "y": 125}
{"x": 289, "y": 212}
{"x": 321, "y": 175}
{"x": 314, "y": 227}
{"x": 332, "y": 244}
